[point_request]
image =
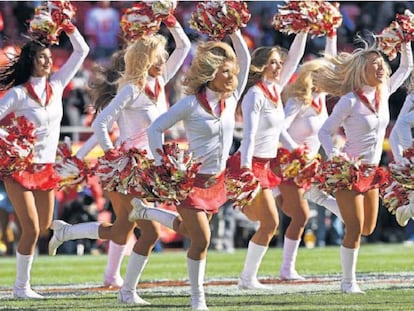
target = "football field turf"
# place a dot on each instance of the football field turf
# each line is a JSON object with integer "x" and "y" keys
{"x": 384, "y": 271}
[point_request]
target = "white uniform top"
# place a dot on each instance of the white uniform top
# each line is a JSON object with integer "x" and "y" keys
{"x": 364, "y": 129}
{"x": 132, "y": 109}
{"x": 262, "y": 120}
{"x": 209, "y": 136}
{"x": 302, "y": 122}
{"x": 400, "y": 136}
{"x": 46, "y": 118}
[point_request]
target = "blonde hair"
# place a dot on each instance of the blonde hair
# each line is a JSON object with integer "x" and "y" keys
{"x": 260, "y": 59}
{"x": 139, "y": 57}
{"x": 303, "y": 86}
{"x": 208, "y": 58}
{"x": 346, "y": 72}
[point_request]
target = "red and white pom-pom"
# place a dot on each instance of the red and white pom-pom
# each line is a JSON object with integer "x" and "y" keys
{"x": 71, "y": 170}
{"x": 120, "y": 173}
{"x": 399, "y": 31}
{"x": 172, "y": 181}
{"x": 298, "y": 165}
{"x": 403, "y": 172}
{"x": 338, "y": 173}
{"x": 43, "y": 27}
{"x": 138, "y": 21}
{"x": 219, "y": 18}
{"x": 17, "y": 140}
{"x": 242, "y": 187}
{"x": 318, "y": 17}
{"x": 61, "y": 10}
{"x": 394, "y": 195}
{"x": 163, "y": 8}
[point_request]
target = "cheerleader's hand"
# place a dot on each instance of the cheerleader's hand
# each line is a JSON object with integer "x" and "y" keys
{"x": 170, "y": 21}
{"x": 112, "y": 154}
{"x": 67, "y": 26}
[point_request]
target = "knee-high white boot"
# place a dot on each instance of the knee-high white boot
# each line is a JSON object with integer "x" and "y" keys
{"x": 349, "y": 257}
{"x": 323, "y": 199}
{"x": 128, "y": 292}
{"x": 112, "y": 276}
{"x": 288, "y": 268}
{"x": 21, "y": 288}
{"x": 248, "y": 277}
{"x": 142, "y": 211}
{"x": 63, "y": 231}
{"x": 196, "y": 270}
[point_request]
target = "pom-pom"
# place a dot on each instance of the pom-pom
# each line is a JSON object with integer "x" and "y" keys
{"x": 45, "y": 26}
{"x": 144, "y": 18}
{"x": 399, "y": 31}
{"x": 403, "y": 172}
{"x": 242, "y": 187}
{"x": 16, "y": 144}
{"x": 394, "y": 195}
{"x": 71, "y": 170}
{"x": 298, "y": 165}
{"x": 338, "y": 173}
{"x": 318, "y": 17}
{"x": 61, "y": 11}
{"x": 121, "y": 172}
{"x": 170, "y": 182}
{"x": 219, "y": 18}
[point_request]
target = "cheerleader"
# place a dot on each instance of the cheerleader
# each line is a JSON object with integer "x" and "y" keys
{"x": 214, "y": 83}
{"x": 35, "y": 93}
{"x": 139, "y": 101}
{"x": 305, "y": 112}
{"x": 363, "y": 82}
{"x": 263, "y": 121}
{"x": 401, "y": 139}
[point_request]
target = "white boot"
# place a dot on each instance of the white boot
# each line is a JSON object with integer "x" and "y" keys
{"x": 404, "y": 214}
{"x": 63, "y": 231}
{"x": 290, "y": 251}
{"x": 196, "y": 270}
{"x": 128, "y": 292}
{"x": 323, "y": 199}
{"x": 349, "y": 257}
{"x": 112, "y": 276}
{"x": 248, "y": 277}
{"x": 141, "y": 211}
{"x": 21, "y": 288}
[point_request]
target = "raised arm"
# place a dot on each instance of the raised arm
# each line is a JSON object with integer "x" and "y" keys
{"x": 243, "y": 57}
{"x": 80, "y": 50}
{"x": 177, "y": 57}
{"x": 404, "y": 70}
{"x": 296, "y": 51}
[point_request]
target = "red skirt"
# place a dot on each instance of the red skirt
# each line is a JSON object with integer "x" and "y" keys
{"x": 370, "y": 177}
{"x": 208, "y": 194}
{"x": 261, "y": 169}
{"x": 37, "y": 177}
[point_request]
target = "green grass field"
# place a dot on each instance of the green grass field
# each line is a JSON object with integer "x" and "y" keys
{"x": 385, "y": 272}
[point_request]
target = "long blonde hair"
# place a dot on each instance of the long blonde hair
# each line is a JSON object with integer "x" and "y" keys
{"x": 139, "y": 57}
{"x": 346, "y": 72}
{"x": 208, "y": 58}
{"x": 303, "y": 86}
